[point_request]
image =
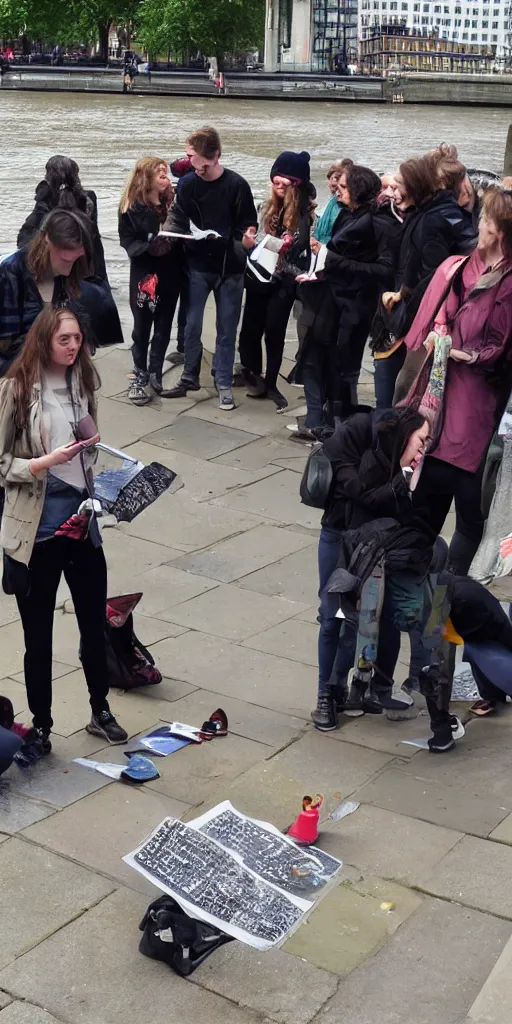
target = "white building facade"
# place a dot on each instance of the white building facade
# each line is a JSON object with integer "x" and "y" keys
{"x": 482, "y": 23}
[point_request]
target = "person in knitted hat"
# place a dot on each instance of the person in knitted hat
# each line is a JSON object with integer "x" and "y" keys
{"x": 288, "y": 215}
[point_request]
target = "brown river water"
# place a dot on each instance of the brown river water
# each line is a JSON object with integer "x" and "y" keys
{"x": 105, "y": 134}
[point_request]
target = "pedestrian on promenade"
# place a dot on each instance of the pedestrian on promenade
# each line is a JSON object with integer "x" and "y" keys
{"x": 214, "y": 198}
{"x": 469, "y": 301}
{"x": 287, "y": 214}
{"x": 61, "y": 189}
{"x": 368, "y": 454}
{"x": 328, "y": 217}
{"x": 339, "y": 307}
{"x": 54, "y": 270}
{"x": 154, "y": 271}
{"x": 47, "y": 421}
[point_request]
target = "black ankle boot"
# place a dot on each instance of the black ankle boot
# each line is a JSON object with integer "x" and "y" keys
{"x": 324, "y": 716}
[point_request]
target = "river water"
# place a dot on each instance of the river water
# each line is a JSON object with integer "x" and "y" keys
{"x": 105, "y": 134}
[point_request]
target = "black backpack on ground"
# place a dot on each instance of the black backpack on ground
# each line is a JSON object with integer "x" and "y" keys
{"x": 180, "y": 941}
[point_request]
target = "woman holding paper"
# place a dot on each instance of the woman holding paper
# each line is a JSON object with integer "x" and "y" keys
{"x": 287, "y": 215}
{"x": 47, "y": 423}
{"x": 155, "y": 278}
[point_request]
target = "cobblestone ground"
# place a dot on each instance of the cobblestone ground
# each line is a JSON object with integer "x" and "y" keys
{"x": 227, "y": 566}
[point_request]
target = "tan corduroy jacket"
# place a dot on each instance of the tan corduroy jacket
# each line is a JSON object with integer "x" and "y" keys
{"x": 24, "y": 492}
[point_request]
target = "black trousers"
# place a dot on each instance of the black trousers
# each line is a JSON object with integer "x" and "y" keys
{"x": 441, "y": 483}
{"x": 160, "y": 320}
{"x": 266, "y": 315}
{"x": 85, "y": 572}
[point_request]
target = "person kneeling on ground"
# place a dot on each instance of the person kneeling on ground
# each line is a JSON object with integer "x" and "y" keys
{"x": 47, "y": 423}
{"x": 368, "y": 454}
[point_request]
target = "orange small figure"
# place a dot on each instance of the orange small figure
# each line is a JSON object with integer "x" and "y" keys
{"x": 305, "y": 827}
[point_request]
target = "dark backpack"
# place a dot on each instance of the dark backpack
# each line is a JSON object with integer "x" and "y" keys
{"x": 129, "y": 663}
{"x": 317, "y": 477}
{"x": 169, "y": 934}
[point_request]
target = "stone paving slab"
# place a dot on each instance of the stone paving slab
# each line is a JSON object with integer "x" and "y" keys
{"x": 181, "y": 523}
{"x": 122, "y": 424}
{"x": 295, "y": 576}
{"x": 56, "y": 780}
{"x": 74, "y": 974}
{"x": 58, "y": 669}
{"x": 295, "y": 640}
{"x": 166, "y": 586}
{"x": 189, "y": 435}
{"x": 202, "y": 480}
{"x": 418, "y": 796}
{"x": 263, "y": 679}
{"x": 493, "y": 1005}
{"x": 283, "y": 987}
{"x": 26, "y": 1013}
{"x": 265, "y": 451}
{"x": 249, "y": 415}
{"x": 430, "y": 970}
{"x": 244, "y": 554}
{"x": 296, "y": 465}
{"x": 244, "y": 719}
{"x": 503, "y": 833}
{"x": 98, "y": 831}
{"x": 475, "y": 872}
{"x": 275, "y": 498}
{"x": 233, "y": 613}
{"x": 378, "y": 733}
{"x": 8, "y": 608}
{"x": 151, "y": 630}
{"x": 348, "y": 925}
{"x": 275, "y": 788}
{"x": 144, "y": 555}
{"x": 4, "y": 1000}
{"x": 16, "y": 811}
{"x": 387, "y": 845}
{"x": 16, "y": 693}
{"x": 39, "y": 893}
{"x": 196, "y": 771}
{"x": 12, "y": 649}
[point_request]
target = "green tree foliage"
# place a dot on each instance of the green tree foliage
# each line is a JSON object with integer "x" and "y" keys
{"x": 65, "y": 21}
{"x": 214, "y": 27}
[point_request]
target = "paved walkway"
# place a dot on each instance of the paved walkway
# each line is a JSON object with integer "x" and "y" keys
{"x": 228, "y": 569}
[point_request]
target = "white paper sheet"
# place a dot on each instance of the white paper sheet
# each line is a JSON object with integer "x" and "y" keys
{"x": 104, "y": 767}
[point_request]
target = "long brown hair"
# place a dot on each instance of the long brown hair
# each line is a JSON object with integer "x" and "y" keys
{"x": 67, "y": 229}
{"x": 141, "y": 182}
{"x": 286, "y": 212}
{"x": 497, "y": 206}
{"x": 35, "y": 359}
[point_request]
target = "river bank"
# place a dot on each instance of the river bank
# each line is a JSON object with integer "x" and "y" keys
{"x": 442, "y": 89}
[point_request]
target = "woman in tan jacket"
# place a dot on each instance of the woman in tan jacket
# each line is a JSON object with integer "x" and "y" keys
{"x": 47, "y": 425}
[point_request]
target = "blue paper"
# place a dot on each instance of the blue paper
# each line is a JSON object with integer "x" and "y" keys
{"x": 160, "y": 742}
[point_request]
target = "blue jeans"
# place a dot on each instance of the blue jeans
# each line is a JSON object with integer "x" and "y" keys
{"x": 228, "y": 292}
{"x": 10, "y": 742}
{"x": 386, "y": 372}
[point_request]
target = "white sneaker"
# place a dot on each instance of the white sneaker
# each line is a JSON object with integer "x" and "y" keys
{"x": 458, "y": 730}
{"x": 226, "y": 402}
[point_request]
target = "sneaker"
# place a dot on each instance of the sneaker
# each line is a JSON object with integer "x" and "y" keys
{"x": 104, "y": 724}
{"x": 137, "y": 390}
{"x": 176, "y": 358}
{"x": 340, "y": 697}
{"x": 181, "y": 389}
{"x": 301, "y": 433}
{"x": 458, "y": 730}
{"x": 226, "y": 402}
{"x": 155, "y": 381}
{"x": 324, "y": 716}
{"x": 36, "y": 745}
{"x": 442, "y": 741}
{"x": 278, "y": 399}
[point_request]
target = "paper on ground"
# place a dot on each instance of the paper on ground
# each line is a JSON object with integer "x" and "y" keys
{"x": 344, "y": 809}
{"x": 105, "y": 767}
{"x": 421, "y": 742}
{"x": 213, "y": 881}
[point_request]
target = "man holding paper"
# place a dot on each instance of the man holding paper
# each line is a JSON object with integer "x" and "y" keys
{"x": 212, "y": 198}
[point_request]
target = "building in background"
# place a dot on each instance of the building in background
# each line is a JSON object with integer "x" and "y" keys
{"x": 311, "y": 35}
{"x": 431, "y": 36}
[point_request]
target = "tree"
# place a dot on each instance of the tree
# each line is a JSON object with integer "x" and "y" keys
{"x": 66, "y": 21}
{"x": 215, "y": 27}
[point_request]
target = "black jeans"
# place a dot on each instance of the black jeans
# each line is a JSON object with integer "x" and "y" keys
{"x": 266, "y": 314}
{"x": 386, "y": 372}
{"x": 85, "y": 572}
{"x": 440, "y": 483}
{"x": 161, "y": 322}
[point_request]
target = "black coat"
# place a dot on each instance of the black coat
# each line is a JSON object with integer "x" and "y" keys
{"x": 338, "y": 310}
{"x": 43, "y": 206}
{"x": 138, "y": 229}
{"x": 434, "y": 231}
{"x": 21, "y": 303}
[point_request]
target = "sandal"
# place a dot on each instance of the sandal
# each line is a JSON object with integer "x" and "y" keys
{"x": 217, "y": 725}
{"x": 482, "y": 707}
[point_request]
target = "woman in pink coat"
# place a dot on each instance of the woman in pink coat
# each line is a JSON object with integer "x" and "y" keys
{"x": 469, "y": 299}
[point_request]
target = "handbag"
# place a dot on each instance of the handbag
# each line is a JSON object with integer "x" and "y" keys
{"x": 182, "y": 942}
{"x": 316, "y": 482}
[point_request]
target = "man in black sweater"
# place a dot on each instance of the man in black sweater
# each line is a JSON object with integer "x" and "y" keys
{"x": 212, "y": 197}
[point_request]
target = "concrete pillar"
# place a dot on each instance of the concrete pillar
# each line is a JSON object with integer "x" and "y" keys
{"x": 271, "y": 35}
{"x": 507, "y": 163}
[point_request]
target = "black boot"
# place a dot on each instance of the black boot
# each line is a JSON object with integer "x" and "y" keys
{"x": 324, "y": 716}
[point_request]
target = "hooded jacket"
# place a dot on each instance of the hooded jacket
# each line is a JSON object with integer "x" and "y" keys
{"x": 44, "y": 205}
